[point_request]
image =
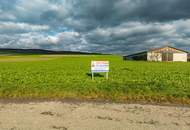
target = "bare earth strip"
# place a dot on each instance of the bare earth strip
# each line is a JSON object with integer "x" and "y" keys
{"x": 92, "y": 116}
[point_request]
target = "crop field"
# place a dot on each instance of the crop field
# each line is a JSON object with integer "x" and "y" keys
{"x": 59, "y": 77}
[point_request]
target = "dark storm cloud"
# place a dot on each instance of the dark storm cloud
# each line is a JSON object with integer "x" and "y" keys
{"x": 108, "y": 26}
{"x": 156, "y": 10}
{"x": 94, "y": 13}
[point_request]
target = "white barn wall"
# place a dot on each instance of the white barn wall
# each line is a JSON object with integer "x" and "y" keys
{"x": 180, "y": 57}
{"x": 159, "y": 53}
{"x": 151, "y": 56}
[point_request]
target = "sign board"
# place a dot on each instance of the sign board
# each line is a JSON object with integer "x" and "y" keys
{"x": 100, "y": 67}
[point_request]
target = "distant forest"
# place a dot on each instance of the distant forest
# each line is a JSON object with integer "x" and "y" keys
{"x": 41, "y": 51}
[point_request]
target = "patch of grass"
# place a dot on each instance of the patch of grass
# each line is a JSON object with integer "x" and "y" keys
{"x": 43, "y": 76}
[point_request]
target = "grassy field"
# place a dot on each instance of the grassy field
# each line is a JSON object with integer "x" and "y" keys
{"x": 58, "y": 77}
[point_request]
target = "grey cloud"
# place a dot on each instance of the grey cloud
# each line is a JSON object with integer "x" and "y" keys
{"x": 137, "y": 36}
{"x": 108, "y": 26}
{"x": 11, "y": 27}
{"x": 98, "y": 13}
{"x": 69, "y": 41}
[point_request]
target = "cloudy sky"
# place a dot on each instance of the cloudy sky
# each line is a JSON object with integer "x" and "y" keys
{"x": 108, "y": 26}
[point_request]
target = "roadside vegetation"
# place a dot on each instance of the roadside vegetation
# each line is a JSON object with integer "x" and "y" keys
{"x": 59, "y": 77}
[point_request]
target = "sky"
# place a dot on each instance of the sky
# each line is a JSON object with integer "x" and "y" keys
{"x": 106, "y": 26}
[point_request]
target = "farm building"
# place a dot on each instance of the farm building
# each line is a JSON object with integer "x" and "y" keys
{"x": 166, "y": 53}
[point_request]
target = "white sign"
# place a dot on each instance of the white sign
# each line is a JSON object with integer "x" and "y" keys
{"x": 99, "y": 66}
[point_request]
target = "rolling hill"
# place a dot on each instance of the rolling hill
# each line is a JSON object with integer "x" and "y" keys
{"x": 11, "y": 51}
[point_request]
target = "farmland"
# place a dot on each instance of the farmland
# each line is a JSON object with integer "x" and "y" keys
{"x": 60, "y": 77}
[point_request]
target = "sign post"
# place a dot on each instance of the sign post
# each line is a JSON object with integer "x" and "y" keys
{"x": 100, "y": 67}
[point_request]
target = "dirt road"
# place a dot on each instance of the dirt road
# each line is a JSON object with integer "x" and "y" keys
{"x": 92, "y": 116}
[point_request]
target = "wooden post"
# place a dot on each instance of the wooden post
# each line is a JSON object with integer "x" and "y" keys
{"x": 107, "y": 75}
{"x": 92, "y": 76}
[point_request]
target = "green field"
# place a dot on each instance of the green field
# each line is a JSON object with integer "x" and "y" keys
{"x": 59, "y": 77}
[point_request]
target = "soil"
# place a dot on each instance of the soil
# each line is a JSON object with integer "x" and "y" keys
{"x": 73, "y": 115}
